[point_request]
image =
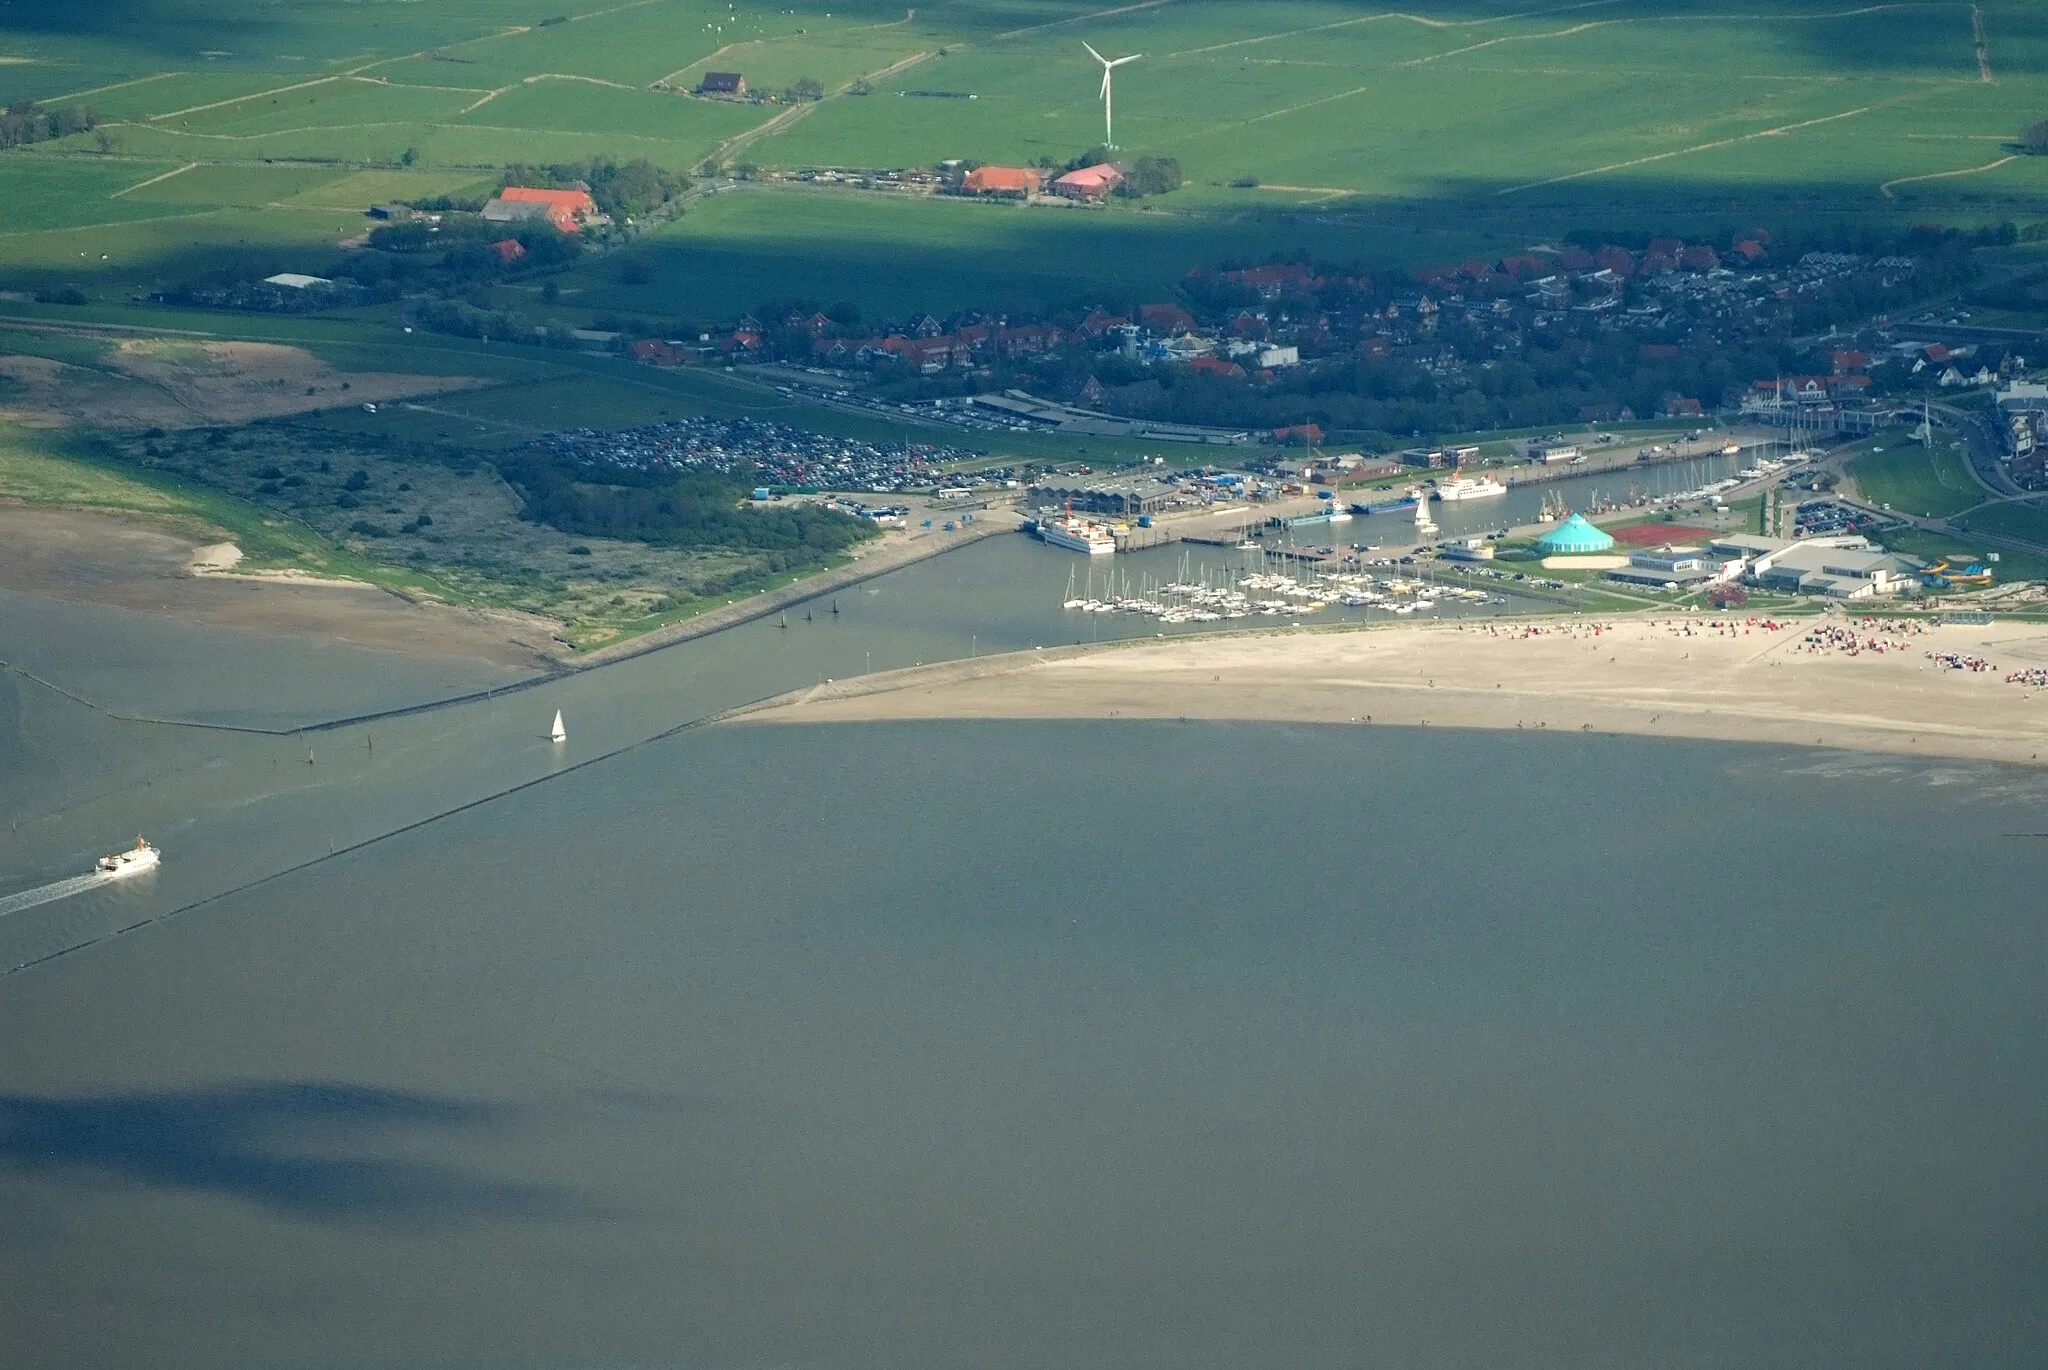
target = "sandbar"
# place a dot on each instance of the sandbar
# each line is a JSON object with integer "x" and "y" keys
{"x": 1874, "y": 685}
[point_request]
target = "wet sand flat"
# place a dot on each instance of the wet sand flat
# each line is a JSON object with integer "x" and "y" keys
{"x": 1668, "y": 678}
{"x": 104, "y": 559}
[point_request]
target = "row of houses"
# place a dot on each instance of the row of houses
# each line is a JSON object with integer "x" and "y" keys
{"x": 1090, "y": 184}
{"x": 1609, "y": 261}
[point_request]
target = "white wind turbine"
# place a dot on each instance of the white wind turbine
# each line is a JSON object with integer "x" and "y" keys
{"x": 1108, "y": 126}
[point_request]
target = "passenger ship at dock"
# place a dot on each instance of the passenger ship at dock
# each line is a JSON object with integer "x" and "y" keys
{"x": 1468, "y": 487}
{"x": 1077, "y": 535}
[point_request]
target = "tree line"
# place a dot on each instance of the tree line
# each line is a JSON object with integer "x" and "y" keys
{"x": 25, "y": 121}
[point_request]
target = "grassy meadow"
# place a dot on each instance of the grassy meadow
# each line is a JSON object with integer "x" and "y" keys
{"x": 1398, "y": 137}
{"x": 1928, "y": 482}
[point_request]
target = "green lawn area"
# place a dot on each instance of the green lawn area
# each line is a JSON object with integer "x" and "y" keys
{"x": 2026, "y": 521}
{"x": 1933, "y": 547}
{"x": 1928, "y": 482}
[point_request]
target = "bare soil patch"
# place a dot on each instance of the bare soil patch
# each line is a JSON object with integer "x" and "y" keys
{"x": 236, "y": 382}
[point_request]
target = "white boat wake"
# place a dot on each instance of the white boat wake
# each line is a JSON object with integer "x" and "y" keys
{"x": 44, "y": 894}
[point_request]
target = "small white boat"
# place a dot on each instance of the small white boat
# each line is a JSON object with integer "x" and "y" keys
{"x": 135, "y": 861}
{"x": 558, "y": 733}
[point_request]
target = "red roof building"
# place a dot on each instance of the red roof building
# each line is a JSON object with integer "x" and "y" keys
{"x": 1090, "y": 183}
{"x": 1101, "y": 321}
{"x": 654, "y": 352}
{"x": 567, "y": 210}
{"x": 1019, "y": 181}
{"x": 1619, "y": 260}
{"x": 1166, "y": 318}
{"x": 509, "y": 250}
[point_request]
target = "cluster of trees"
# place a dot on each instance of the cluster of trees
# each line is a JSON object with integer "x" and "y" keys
{"x": 25, "y": 121}
{"x": 474, "y": 318}
{"x": 703, "y": 509}
{"x": 803, "y": 90}
{"x": 1150, "y": 176}
{"x": 458, "y": 249}
{"x": 628, "y": 190}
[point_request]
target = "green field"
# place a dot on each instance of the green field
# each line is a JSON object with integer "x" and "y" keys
{"x": 2027, "y": 521}
{"x": 1929, "y": 483}
{"x": 1423, "y": 135}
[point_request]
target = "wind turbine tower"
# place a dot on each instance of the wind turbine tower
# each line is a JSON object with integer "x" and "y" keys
{"x": 1108, "y": 108}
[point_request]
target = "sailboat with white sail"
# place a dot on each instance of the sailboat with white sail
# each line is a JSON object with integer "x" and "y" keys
{"x": 558, "y": 733}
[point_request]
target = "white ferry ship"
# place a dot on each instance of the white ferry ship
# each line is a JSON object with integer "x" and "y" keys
{"x": 1468, "y": 487}
{"x": 134, "y": 861}
{"x": 1077, "y": 535}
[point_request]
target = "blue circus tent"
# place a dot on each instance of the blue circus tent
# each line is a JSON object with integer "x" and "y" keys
{"x": 1574, "y": 537}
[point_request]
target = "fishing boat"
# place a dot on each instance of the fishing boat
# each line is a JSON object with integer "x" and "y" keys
{"x": 134, "y": 861}
{"x": 558, "y": 733}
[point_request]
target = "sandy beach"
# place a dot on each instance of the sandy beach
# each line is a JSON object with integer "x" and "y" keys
{"x": 1869, "y": 685}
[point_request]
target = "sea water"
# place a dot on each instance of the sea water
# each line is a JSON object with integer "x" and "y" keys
{"x": 1011, "y": 1044}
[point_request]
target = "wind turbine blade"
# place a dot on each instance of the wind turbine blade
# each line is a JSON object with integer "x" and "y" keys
{"x": 1093, "y": 53}
{"x": 1132, "y": 58}
{"x": 1103, "y": 94}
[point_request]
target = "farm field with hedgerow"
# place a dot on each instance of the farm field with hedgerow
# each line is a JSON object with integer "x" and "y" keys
{"x": 1307, "y": 124}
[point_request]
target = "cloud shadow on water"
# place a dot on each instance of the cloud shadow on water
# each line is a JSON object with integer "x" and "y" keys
{"x": 294, "y": 1148}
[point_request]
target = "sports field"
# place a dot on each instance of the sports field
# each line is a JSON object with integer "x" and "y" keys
{"x": 1370, "y": 134}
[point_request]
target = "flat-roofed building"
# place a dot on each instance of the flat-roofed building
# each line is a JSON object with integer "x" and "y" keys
{"x": 1128, "y": 496}
{"x": 1671, "y": 567}
{"x": 1841, "y": 572}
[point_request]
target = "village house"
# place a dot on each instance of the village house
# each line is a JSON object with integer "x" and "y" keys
{"x": 1092, "y": 184}
{"x": 1012, "y": 182}
{"x": 1101, "y": 322}
{"x": 1166, "y": 319}
{"x": 724, "y": 85}
{"x": 655, "y": 352}
{"x": 566, "y": 210}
